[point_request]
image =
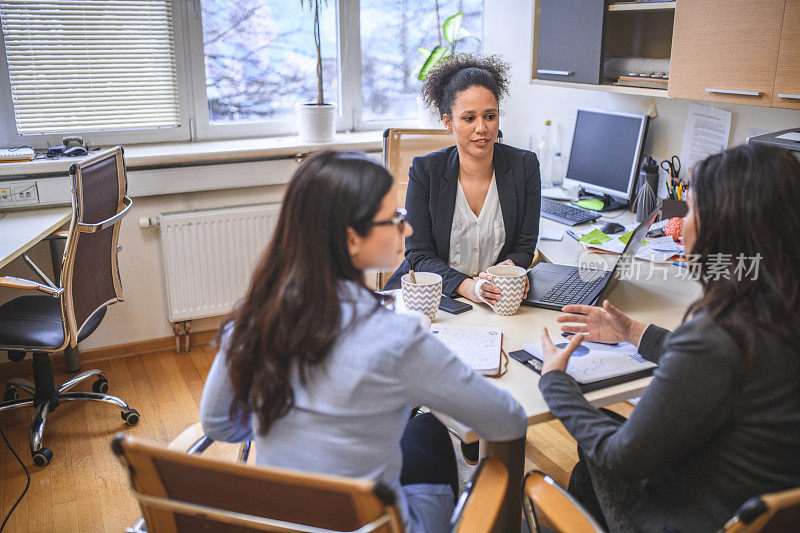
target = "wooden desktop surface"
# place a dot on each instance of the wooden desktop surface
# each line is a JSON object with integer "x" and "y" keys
{"x": 21, "y": 230}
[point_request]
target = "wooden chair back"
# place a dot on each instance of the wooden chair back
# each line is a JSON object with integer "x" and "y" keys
{"x": 562, "y": 511}
{"x": 188, "y": 493}
{"x": 769, "y": 513}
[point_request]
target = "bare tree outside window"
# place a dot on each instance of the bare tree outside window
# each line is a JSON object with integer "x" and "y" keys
{"x": 260, "y": 58}
{"x": 391, "y": 32}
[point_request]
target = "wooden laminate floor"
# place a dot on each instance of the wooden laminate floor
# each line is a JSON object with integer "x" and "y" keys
{"x": 85, "y": 488}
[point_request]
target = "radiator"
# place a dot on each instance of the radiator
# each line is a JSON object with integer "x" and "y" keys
{"x": 209, "y": 255}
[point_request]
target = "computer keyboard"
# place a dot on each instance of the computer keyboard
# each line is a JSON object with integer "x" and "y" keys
{"x": 565, "y": 213}
{"x": 574, "y": 287}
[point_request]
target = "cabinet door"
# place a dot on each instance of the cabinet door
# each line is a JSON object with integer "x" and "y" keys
{"x": 725, "y": 51}
{"x": 787, "y": 76}
{"x": 570, "y": 40}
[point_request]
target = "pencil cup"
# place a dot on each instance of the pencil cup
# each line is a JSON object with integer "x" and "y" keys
{"x": 510, "y": 279}
{"x": 424, "y": 295}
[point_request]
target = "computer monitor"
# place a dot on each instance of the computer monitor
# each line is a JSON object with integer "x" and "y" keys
{"x": 606, "y": 151}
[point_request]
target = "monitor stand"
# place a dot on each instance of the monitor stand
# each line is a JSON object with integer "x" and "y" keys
{"x": 609, "y": 202}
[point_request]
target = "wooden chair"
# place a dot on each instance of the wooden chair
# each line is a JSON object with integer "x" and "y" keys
{"x": 400, "y": 147}
{"x": 183, "y": 492}
{"x": 776, "y": 512}
{"x": 558, "y": 506}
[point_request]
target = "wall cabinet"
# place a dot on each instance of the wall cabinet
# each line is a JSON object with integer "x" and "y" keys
{"x": 726, "y": 51}
{"x": 787, "y": 74}
{"x": 737, "y": 51}
{"x": 570, "y": 40}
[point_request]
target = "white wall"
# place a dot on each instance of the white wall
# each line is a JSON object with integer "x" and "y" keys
{"x": 508, "y": 31}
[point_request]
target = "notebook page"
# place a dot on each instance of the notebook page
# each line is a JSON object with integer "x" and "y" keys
{"x": 477, "y": 346}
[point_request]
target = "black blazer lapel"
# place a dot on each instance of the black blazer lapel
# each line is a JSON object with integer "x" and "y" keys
{"x": 446, "y": 206}
{"x": 507, "y": 193}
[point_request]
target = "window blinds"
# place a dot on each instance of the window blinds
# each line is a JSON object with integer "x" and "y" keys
{"x": 90, "y": 65}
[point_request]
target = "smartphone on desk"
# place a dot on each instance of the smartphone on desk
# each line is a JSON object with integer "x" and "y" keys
{"x": 453, "y": 306}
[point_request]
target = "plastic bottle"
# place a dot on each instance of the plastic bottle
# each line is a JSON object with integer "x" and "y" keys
{"x": 558, "y": 170}
{"x": 546, "y": 154}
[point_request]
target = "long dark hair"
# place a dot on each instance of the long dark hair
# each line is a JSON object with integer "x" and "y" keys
{"x": 747, "y": 200}
{"x": 291, "y": 313}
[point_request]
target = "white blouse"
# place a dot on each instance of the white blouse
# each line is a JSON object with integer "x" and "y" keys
{"x": 476, "y": 241}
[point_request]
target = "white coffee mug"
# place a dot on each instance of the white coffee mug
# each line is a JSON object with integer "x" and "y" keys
{"x": 424, "y": 295}
{"x": 510, "y": 279}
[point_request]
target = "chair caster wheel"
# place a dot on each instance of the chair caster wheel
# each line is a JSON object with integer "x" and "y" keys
{"x": 42, "y": 457}
{"x": 100, "y": 385}
{"x": 131, "y": 417}
{"x": 11, "y": 394}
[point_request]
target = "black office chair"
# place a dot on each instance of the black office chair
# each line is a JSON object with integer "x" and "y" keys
{"x": 70, "y": 312}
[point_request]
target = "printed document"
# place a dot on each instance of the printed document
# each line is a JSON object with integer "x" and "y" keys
{"x": 594, "y": 361}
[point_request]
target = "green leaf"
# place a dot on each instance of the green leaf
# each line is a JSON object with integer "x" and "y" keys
{"x": 436, "y": 55}
{"x": 424, "y": 51}
{"x": 451, "y": 27}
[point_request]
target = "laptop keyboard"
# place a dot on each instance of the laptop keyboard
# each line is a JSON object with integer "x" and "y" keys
{"x": 574, "y": 287}
{"x": 567, "y": 214}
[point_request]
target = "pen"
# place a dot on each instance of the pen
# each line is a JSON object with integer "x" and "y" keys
{"x": 572, "y": 234}
{"x": 679, "y": 263}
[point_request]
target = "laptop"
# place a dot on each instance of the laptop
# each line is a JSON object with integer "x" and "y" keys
{"x": 554, "y": 286}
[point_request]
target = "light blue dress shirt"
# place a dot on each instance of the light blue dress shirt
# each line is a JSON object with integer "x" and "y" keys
{"x": 350, "y": 415}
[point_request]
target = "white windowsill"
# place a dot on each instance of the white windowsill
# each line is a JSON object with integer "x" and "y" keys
{"x": 138, "y": 156}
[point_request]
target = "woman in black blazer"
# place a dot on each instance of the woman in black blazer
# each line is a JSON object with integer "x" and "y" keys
{"x": 477, "y": 203}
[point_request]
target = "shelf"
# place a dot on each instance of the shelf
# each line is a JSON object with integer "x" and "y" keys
{"x": 640, "y": 91}
{"x": 643, "y": 6}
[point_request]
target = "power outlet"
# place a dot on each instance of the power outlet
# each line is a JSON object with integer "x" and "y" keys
{"x": 25, "y": 194}
{"x": 5, "y": 196}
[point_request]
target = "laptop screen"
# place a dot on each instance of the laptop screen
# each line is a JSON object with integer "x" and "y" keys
{"x": 624, "y": 264}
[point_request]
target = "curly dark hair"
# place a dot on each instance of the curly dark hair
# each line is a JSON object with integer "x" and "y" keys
{"x": 458, "y": 73}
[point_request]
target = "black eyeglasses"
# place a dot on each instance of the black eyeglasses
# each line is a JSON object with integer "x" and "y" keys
{"x": 399, "y": 220}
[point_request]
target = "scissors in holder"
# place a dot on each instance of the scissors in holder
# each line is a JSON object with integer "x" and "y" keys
{"x": 672, "y": 166}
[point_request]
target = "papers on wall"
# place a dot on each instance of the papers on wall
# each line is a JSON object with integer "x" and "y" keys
{"x": 477, "y": 346}
{"x": 594, "y": 361}
{"x": 707, "y": 132}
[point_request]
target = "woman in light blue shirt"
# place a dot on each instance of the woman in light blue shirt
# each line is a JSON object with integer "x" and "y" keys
{"x": 321, "y": 376}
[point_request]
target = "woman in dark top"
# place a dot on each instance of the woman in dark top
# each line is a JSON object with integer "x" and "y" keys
{"x": 720, "y": 421}
{"x": 477, "y": 203}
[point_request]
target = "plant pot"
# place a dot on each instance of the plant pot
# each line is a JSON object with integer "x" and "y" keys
{"x": 316, "y": 123}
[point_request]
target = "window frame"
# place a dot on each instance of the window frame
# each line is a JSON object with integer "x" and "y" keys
{"x": 192, "y": 98}
{"x": 8, "y": 125}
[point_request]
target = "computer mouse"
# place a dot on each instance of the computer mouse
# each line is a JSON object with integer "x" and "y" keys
{"x": 611, "y": 227}
{"x": 75, "y": 151}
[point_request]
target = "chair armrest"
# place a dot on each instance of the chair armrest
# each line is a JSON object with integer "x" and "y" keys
{"x": 63, "y": 234}
{"x": 28, "y": 285}
{"x": 480, "y": 503}
{"x": 85, "y": 227}
{"x": 561, "y": 509}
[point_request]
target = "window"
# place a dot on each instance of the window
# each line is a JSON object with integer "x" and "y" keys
{"x": 391, "y": 33}
{"x": 155, "y": 70}
{"x": 260, "y": 58}
{"x": 90, "y": 66}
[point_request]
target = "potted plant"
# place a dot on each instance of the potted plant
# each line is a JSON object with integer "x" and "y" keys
{"x": 316, "y": 121}
{"x": 453, "y": 33}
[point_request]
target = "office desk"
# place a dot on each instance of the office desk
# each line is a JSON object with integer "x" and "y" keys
{"x": 21, "y": 230}
{"x": 660, "y": 295}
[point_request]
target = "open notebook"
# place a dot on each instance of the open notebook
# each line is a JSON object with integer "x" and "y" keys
{"x": 478, "y": 346}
